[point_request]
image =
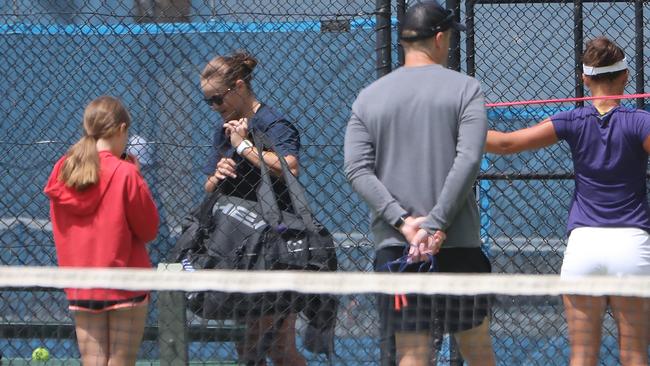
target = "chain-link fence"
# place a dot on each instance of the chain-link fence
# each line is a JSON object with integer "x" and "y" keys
{"x": 314, "y": 58}
{"x": 523, "y": 51}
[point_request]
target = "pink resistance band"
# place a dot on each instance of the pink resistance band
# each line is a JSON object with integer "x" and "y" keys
{"x": 565, "y": 100}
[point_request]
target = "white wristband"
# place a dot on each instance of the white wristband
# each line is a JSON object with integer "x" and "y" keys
{"x": 245, "y": 144}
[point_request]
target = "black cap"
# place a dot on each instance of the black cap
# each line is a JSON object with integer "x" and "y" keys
{"x": 425, "y": 18}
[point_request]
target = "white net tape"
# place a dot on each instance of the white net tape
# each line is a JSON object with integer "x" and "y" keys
{"x": 170, "y": 277}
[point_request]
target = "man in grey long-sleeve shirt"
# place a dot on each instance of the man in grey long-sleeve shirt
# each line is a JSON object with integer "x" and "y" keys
{"x": 413, "y": 148}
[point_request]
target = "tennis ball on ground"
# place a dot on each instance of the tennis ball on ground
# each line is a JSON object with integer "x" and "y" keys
{"x": 40, "y": 354}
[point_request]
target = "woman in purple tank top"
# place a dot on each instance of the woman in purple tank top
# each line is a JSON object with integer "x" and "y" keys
{"x": 609, "y": 217}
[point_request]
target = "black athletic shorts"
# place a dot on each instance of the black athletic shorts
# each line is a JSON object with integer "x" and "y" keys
{"x": 99, "y": 306}
{"x": 436, "y": 314}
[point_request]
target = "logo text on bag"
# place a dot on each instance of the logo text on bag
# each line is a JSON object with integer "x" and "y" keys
{"x": 241, "y": 214}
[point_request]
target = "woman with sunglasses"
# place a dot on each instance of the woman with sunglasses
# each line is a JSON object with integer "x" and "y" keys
{"x": 234, "y": 166}
{"x": 609, "y": 219}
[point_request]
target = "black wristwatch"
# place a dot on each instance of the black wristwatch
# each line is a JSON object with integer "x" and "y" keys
{"x": 400, "y": 222}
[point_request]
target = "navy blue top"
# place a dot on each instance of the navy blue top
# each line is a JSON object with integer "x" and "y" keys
{"x": 286, "y": 140}
{"x": 610, "y": 166}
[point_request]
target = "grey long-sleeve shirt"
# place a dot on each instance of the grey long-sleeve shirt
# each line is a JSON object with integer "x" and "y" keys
{"x": 413, "y": 146}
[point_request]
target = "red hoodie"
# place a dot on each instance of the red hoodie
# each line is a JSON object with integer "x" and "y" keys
{"x": 105, "y": 225}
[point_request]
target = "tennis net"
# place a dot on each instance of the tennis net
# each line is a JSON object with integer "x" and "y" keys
{"x": 337, "y": 321}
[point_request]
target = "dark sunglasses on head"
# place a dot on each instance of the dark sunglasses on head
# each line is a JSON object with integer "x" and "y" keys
{"x": 217, "y": 98}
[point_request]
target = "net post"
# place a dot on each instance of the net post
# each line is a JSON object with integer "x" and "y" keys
{"x": 172, "y": 323}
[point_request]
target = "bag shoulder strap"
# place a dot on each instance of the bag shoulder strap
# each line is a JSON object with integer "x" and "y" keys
{"x": 296, "y": 190}
{"x": 205, "y": 210}
{"x": 265, "y": 194}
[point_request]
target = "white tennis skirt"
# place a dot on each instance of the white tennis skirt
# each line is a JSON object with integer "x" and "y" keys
{"x": 606, "y": 251}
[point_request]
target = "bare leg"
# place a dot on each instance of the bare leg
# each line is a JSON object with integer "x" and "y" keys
{"x": 631, "y": 314}
{"x": 283, "y": 348}
{"x": 126, "y": 327}
{"x": 584, "y": 318}
{"x": 92, "y": 337}
{"x": 413, "y": 348}
{"x": 476, "y": 345}
{"x": 247, "y": 348}
{"x": 646, "y": 307}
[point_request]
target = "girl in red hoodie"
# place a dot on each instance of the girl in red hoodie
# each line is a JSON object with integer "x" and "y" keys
{"x": 102, "y": 215}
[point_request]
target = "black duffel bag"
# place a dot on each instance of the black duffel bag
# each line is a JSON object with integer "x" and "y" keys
{"x": 232, "y": 233}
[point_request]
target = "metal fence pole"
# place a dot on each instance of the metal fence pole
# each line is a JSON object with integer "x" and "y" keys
{"x": 578, "y": 39}
{"x": 401, "y": 10}
{"x": 454, "y": 44}
{"x": 638, "y": 58}
{"x": 383, "y": 37}
{"x": 469, "y": 42}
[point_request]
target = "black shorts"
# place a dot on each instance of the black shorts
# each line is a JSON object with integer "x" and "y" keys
{"x": 436, "y": 314}
{"x": 99, "y": 306}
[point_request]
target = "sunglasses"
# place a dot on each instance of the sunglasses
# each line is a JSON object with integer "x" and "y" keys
{"x": 217, "y": 98}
